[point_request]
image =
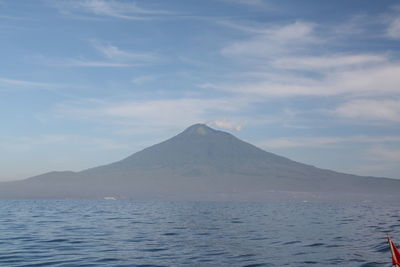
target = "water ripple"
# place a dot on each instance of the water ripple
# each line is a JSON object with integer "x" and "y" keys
{"x": 158, "y": 234}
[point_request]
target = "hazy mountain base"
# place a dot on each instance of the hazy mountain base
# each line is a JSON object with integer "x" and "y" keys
{"x": 205, "y": 164}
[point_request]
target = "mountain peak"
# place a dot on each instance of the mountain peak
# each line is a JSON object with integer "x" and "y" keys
{"x": 204, "y": 164}
{"x": 199, "y": 129}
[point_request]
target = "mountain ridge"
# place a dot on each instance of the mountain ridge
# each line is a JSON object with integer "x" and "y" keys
{"x": 202, "y": 163}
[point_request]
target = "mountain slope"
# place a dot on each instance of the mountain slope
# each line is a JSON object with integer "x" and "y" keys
{"x": 204, "y": 164}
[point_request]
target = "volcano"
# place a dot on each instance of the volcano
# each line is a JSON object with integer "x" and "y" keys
{"x": 204, "y": 164}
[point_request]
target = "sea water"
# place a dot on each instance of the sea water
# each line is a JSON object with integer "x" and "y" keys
{"x": 132, "y": 233}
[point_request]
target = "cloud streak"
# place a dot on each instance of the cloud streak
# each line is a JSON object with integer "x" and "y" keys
{"x": 116, "y": 54}
{"x": 381, "y": 80}
{"x": 13, "y": 84}
{"x": 165, "y": 112}
{"x": 368, "y": 109}
{"x": 108, "y": 9}
{"x": 226, "y": 124}
{"x": 325, "y": 141}
{"x": 111, "y": 56}
{"x": 267, "y": 42}
{"x": 91, "y": 64}
{"x": 324, "y": 63}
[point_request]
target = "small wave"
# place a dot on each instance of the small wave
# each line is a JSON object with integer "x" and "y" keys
{"x": 217, "y": 253}
{"x": 170, "y": 234}
{"x": 76, "y": 242}
{"x": 384, "y": 249}
{"x": 59, "y": 240}
{"x": 245, "y": 256}
{"x": 153, "y": 249}
{"x": 334, "y": 246}
{"x": 292, "y": 242}
{"x": 259, "y": 238}
{"x": 315, "y": 245}
{"x": 255, "y": 265}
{"x": 148, "y": 265}
{"x": 372, "y": 264}
{"x": 310, "y": 262}
{"x": 48, "y": 263}
{"x": 108, "y": 260}
{"x": 204, "y": 234}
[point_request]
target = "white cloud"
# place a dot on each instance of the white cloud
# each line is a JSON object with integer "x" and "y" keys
{"x": 185, "y": 110}
{"x": 253, "y": 3}
{"x": 160, "y": 113}
{"x": 357, "y": 24}
{"x": 269, "y": 41}
{"x": 322, "y": 63}
{"x": 226, "y": 124}
{"x": 393, "y": 30}
{"x": 368, "y": 109}
{"x": 143, "y": 79}
{"x": 319, "y": 141}
{"x": 247, "y": 2}
{"x": 12, "y": 85}
{"x": 376, "y": 80}
{"x": 114, "y": 53}
{"x": 22, "y": 82}
{"x": 10, "y": 17}
{"x": 283, "y": 67}
{"x": 111, "y": 57}
{"x": 92, "y": 63}
{"x": 380, "y": 80}
{"x": 288, "y": 63}
{"x": 112, "y": 8}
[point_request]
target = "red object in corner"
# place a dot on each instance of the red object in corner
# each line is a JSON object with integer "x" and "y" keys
{"x": 395, "y": 253}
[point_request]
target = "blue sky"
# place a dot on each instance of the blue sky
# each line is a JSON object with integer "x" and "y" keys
{"x": 88, "y": 82}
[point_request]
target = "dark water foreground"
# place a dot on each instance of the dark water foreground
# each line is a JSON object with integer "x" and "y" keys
{"x": 124, "y": 233}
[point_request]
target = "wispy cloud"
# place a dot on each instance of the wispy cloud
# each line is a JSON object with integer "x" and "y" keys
{"x": 325, "y": 141}
{"x": 13, "y": 84}
{"x": 246, "y": 2}
{"x": 322, "y": 63}
{"x": 90, "y": 63}
{"x": 355, "y": 25}
{"x": 393, "y": 30}
{"x": 116, "y": 54}
{"x": 369, "y": 109}
{"x": 186, "y": 110}
{"x": 111, "y": 9}
{"x": 110, "y": 56}
{"x": 372, "y": 80}
{"x": 392, "y": 20}
{"x": 287, "y": 60}
{"x": 282, "y": 53}
{"x": 10, "y": 17}
{"x": 164, "y": 112}
{"x": 226, "y": 124}
{"x": 269, "y": 41}
{"x": 255, "y": 3}
{"x": 143, "y": 79}
{"x": 285, "y": 69}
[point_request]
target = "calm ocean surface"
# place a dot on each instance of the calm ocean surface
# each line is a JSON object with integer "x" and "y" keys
{"x": 128, "y": 233}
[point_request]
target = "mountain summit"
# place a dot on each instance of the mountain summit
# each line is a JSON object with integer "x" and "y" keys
{"x": 202, "y": 163}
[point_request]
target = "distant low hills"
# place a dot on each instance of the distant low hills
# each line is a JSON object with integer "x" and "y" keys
{"x": 204, "y": 164}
